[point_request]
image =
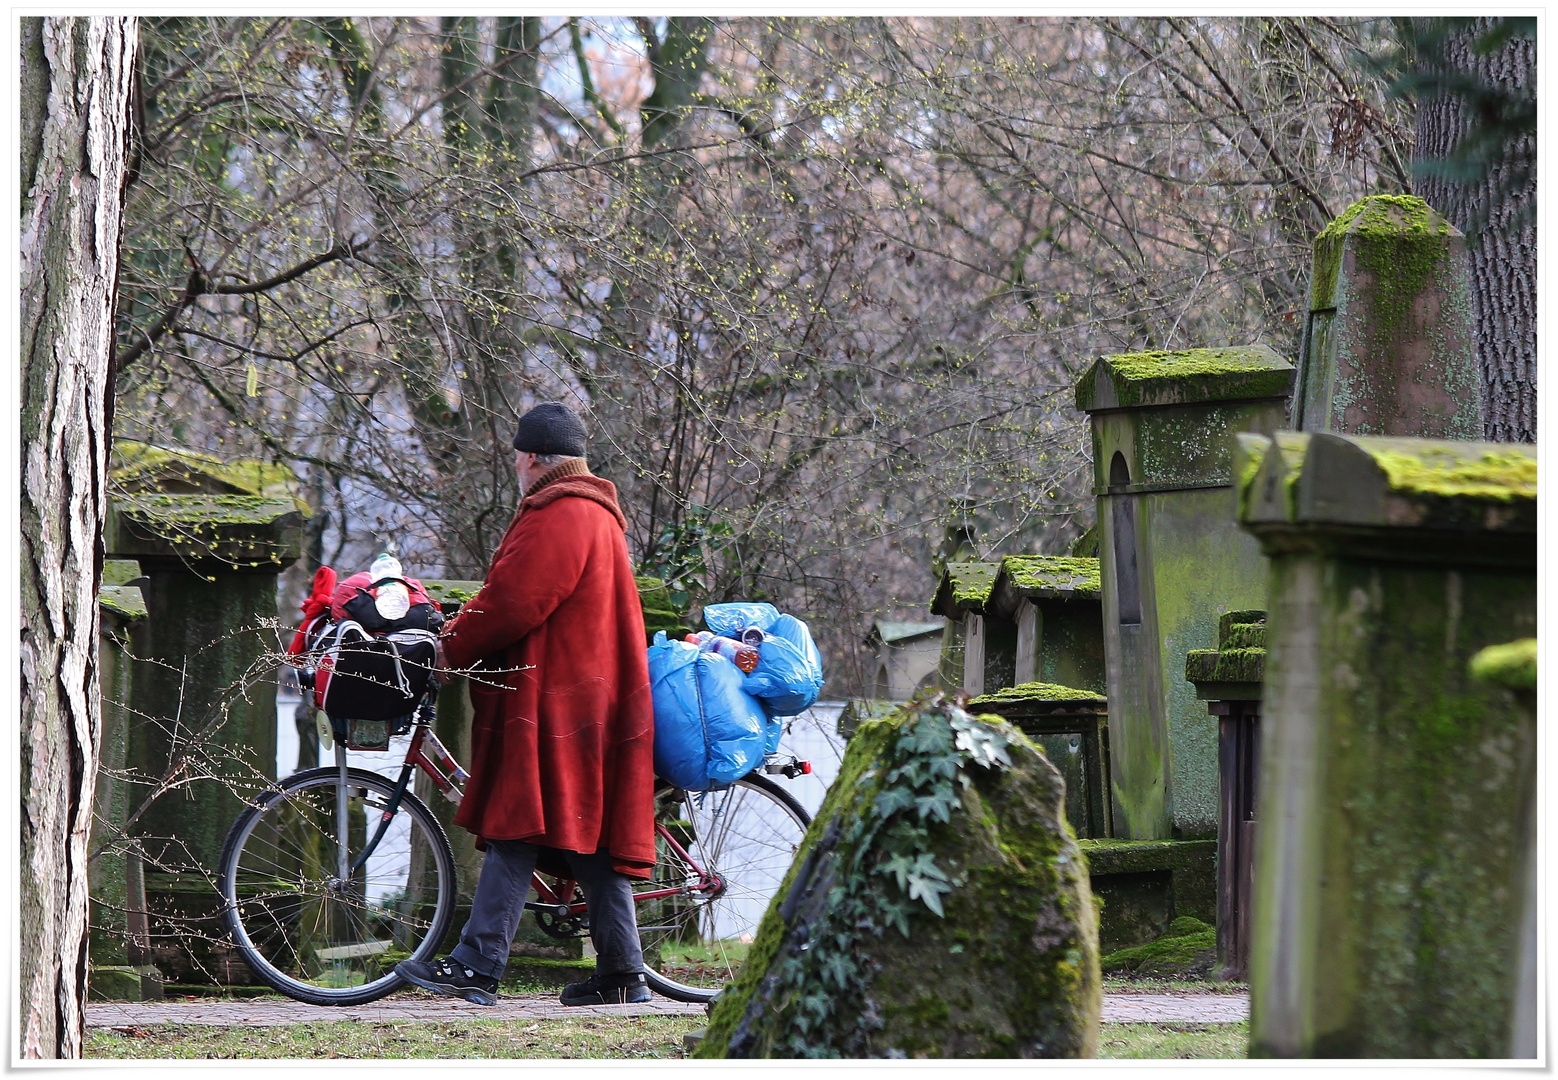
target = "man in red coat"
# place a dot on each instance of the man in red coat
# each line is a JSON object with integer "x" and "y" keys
{"x": 562, "y": 769}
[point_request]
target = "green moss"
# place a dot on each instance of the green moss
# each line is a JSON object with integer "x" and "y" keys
{"x": 971, "y": 581}
{"x": 1399, "y": 242}
{"x": 1003, "y": 964}
{"x": 138, "y": 464}
{"x": 1440, "y": 470}
{"x": 1034, "y": 691}
{"x": 1225, "y": 665}
{"x": 127, "y": 603}
{"x": 1189, "y": 945}
{"x": 212, "y": 510}
{"x": 1251, "y": 453}
{"x": 1159, "y": 378}
{"x": 1512, "y": 665}
{"x": 1059, "y": 574}
{"x": 1250, "y": 635}
{"x": 450, "y": 590}
{"x": 119, "y": 571}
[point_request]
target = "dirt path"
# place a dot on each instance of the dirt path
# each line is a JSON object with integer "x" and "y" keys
{"x": 1118, "y": 1009}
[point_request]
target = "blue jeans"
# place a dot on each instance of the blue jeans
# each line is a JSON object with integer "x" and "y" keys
{"x": 503, "y": 888}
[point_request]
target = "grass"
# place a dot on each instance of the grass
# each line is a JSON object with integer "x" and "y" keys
{"x": 1160, "y": 1041}
{"x": 594, "y": 1037}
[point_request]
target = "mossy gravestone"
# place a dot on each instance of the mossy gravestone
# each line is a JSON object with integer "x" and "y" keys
{"x": 1173, "y": 558}
{"x": 1388, "y": 344}
{"x": 1389, "y": 857}
{"x": 938, "y": 907}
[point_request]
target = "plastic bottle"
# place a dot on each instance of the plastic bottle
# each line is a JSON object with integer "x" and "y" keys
{"x": 392, "y": 600}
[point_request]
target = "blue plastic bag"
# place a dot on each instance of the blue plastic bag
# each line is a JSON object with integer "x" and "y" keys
{"x": 788, "y": 676}
{"x": 707, "y": 730}
{"x": 728, "y": 620}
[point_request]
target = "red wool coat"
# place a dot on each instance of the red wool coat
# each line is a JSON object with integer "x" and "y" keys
{"x": 562, "y": 739}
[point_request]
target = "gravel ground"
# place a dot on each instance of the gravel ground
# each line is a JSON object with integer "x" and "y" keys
{"x": 1118, "y": 1009}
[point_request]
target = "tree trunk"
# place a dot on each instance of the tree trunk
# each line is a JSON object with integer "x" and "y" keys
{"x": 75, "y": 121}
{"x": 1502, "y": 249}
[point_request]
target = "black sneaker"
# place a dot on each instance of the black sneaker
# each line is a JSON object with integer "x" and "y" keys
{"x": 607, "y": 990}
{"x": 451, "y": 979}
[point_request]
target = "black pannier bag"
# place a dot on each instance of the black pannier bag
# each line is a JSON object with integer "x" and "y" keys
{"x": 375, "y": 683}
{"x": 425, "y": 616}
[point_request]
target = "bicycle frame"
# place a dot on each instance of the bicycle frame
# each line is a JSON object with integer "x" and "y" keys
{"x": 434, "y": 759}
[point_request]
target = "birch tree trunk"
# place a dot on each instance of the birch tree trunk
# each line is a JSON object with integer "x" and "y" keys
{"x": 1502, "y": 251}
{"x": 75, "y": 122}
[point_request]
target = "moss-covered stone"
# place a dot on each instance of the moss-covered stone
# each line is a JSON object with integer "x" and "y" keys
{"x": 1034, "y": 691}
{"x": 1394, "y": 797}
{"x": 1188, "y": 949}
{"x": 854, "y": 959}
{"x": 449, "y": 593}
{"x": 1132, "y": 380}
{"x": 964, "y": 586}
{"x": 1163, "y": 466}
{"x": 1384, "y": 485}
{"x": 1512, "y": 664}
{"x": 140, "y": 467}
{"x": 1389, "y": 338}
{"x": 1057, "y": 576}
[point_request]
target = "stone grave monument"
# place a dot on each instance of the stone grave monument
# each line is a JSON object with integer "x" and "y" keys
{"x": 1394, "y": 786}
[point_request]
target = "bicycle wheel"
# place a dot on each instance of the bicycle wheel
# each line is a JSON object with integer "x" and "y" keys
{"x": 743, "y": 838}
{"x": 304, "y": 930}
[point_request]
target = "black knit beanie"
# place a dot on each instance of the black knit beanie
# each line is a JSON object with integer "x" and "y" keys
{"x": 551, "y": 428}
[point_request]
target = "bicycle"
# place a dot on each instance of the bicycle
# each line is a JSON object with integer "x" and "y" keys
{"x": 322, "y": 911}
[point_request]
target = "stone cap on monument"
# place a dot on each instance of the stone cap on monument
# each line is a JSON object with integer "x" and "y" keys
{"x": 175, "y": 504}
{"x": 964, "y": 587}
{"x": 1185, "y": 377}
{"x": 1234, "y": 670}
{"x": 1043, "y": 577}
{"x": 1395, "y": 499}
{"x": 120, "y": 592}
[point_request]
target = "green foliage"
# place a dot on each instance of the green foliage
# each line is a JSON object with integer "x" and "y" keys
{"x": 685, "y": 552}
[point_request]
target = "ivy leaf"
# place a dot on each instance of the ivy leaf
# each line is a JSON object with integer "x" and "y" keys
{"x": 928, "y": 883}
{"x": 938, "y": 804}
{"x": 892, "y": 800}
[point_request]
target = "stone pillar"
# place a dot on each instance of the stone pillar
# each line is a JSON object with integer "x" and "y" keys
{"x": 1228, "y": 679}
{"x": 979, "y": 649}
{"x": 211, "y": 538}
{"x": 1512, "y": 667}
{"x": 206, "y": 696}
{"x": 118, "y": 971}
{"x": 1387, "y": 864}
{"x": 1173, "y": 558}
{"x": 1388, "y": 345}
{"x": 1053, "y": 600}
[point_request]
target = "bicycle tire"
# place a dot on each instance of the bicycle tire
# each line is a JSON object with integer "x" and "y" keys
{"x": 270, "y": 889}
{"x": 752, "y": 869}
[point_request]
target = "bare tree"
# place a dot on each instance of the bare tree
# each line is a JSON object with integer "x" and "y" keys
{"x": 76, "y": 78}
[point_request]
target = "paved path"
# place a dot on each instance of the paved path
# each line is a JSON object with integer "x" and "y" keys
{"x": 1118, "y": 1009}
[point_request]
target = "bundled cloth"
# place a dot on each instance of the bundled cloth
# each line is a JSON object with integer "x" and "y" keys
{"x": 714, "y": 722}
